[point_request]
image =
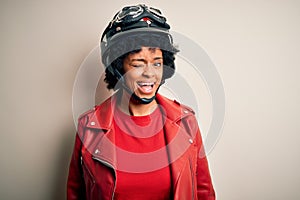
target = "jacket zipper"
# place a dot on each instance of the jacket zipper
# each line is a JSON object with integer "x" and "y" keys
{"x": 110, "y": 166}
{"x": 193, "y": 180}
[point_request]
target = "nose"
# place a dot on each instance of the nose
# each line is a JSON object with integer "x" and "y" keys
{"x": 148, "y": 70}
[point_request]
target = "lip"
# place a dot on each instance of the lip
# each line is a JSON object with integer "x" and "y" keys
{"x": 145, "y": 87}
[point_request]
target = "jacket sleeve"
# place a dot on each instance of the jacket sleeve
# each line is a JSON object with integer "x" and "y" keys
{"x": 205, "y": 190}
{"x": 75, "y": 183}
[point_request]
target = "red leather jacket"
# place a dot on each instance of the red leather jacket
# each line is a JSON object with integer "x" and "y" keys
{"x": 92, "y": 169}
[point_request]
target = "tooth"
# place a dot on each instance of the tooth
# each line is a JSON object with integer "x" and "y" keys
{"x": 146, "y": 84}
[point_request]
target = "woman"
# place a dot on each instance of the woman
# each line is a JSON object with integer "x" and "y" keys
{"x": 138, "y": 144}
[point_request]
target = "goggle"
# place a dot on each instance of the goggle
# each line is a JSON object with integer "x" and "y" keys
{"x": 134, "y": 13}
{"x": 130, "y": 16}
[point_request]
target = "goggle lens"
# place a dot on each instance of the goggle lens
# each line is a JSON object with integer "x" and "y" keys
{"x": 130, "y": 10}
{"x": 135, "y": 11}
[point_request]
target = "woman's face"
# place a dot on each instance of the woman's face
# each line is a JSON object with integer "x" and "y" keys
{"x": 143, "y": 71}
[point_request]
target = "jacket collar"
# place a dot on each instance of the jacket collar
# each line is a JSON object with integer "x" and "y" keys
{"x": 103, "y": 114}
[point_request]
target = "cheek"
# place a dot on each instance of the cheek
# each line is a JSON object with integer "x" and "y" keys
{"x": 159, "y": 73}
{"x": 131, "y": 76}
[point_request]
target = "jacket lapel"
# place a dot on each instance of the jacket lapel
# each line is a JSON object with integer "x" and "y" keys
{"x": 178, "y": 140}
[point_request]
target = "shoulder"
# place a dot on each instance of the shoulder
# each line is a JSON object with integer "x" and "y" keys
{"x": 87, "y": 113}
{"x": 174, "y": 104}
{"x": 185, "y": 108}
{"x": 174, "y": 110}
{"x": 100, "y": 109}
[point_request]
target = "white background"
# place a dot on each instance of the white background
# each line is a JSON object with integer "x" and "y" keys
{"x": 254, "y": 45}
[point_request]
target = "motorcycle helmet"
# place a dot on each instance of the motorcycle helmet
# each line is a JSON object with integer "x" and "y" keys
{"x": 130, "y": 29}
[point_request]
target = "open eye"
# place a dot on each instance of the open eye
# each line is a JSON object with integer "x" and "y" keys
{"x": 157, "y": 64}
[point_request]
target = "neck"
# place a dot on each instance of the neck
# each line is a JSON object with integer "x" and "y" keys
{"x": 131, "y": 107}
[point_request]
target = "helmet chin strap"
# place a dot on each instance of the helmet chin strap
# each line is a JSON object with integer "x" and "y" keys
{"x": 137, "y": 98}
{"x": 132, "y": 93}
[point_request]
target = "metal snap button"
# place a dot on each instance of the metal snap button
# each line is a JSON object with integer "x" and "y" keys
{"x": 97, "y": 151}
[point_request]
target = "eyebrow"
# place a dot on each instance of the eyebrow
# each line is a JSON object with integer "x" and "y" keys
{"x": 143, "y": 60}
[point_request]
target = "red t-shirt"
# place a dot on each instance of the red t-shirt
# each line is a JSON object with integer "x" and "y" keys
{"x": 141, "y": 175}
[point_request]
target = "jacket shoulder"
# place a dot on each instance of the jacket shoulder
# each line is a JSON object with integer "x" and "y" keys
{"x": 94, "y": 119}
{"x": 184, "y": 107}
{"x": 86, "y": 114}
{"x": 83, "y": 119}
{"x": 96, "y": 108}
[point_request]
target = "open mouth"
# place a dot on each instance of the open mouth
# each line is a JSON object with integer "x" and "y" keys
{"x": 146, "y": 87}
